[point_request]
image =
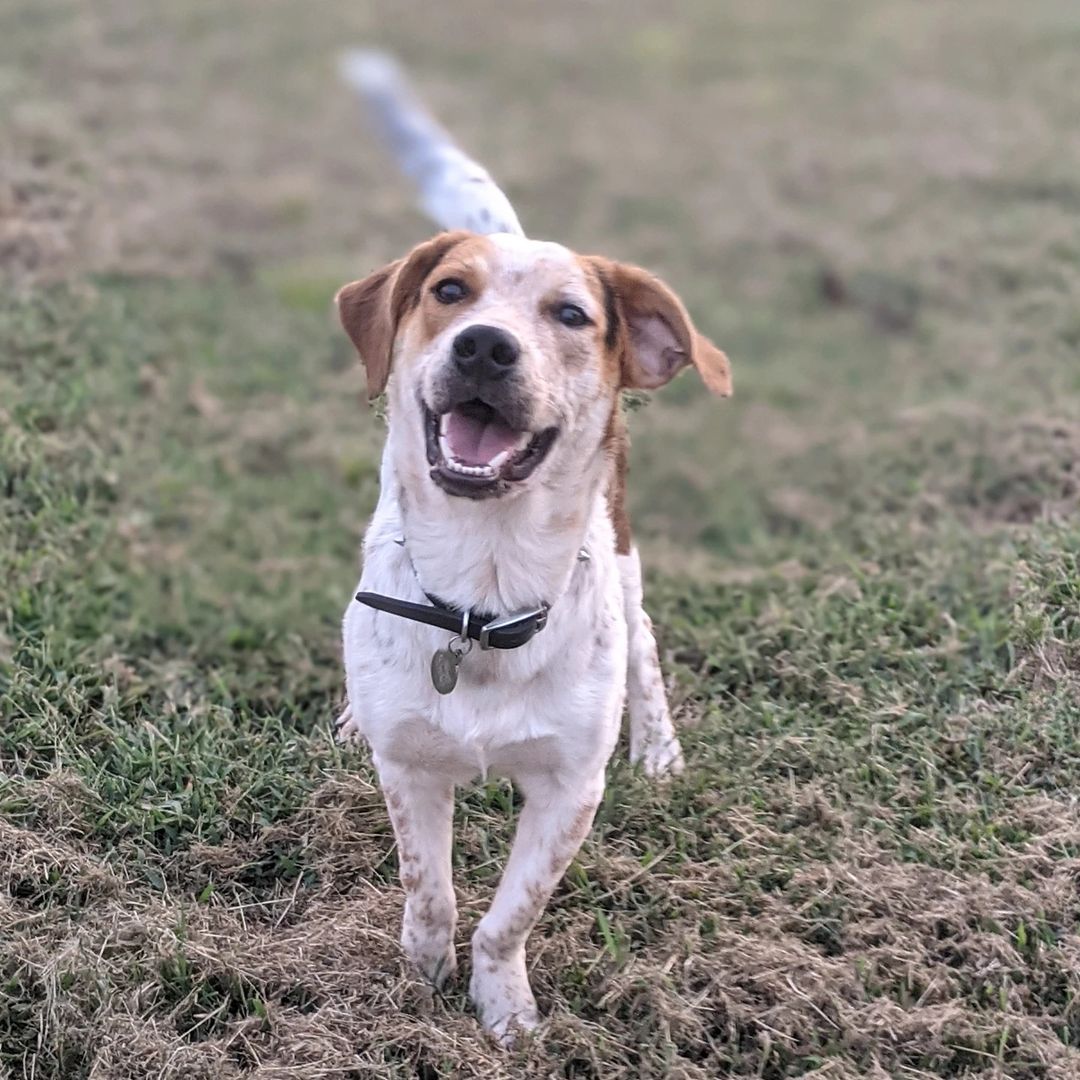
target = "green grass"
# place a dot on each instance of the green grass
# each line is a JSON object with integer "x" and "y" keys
{"x": 864, "y": 569}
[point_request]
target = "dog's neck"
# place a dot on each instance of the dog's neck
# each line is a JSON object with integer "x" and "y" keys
{"x": 495, "y": 555}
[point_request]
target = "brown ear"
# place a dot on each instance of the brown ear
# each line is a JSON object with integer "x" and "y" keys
{"x": 658, "y": 339}
{"x": 371, "y": 310}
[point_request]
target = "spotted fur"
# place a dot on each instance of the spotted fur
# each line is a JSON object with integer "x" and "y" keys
{"x": 546, "y": 715}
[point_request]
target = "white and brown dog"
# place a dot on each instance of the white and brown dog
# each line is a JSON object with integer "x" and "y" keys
{"x": 499, "y": 625}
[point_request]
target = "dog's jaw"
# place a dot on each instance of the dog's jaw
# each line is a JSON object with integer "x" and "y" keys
{"x": 483, "y": 473}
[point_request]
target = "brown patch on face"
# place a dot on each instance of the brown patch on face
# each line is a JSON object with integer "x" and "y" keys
{"x": 611, "y": 332}
{"x": 371, "y": 310}
{"x": 469, "y": 263}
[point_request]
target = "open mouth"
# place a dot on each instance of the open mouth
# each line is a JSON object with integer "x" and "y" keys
{"x": 474, "y": 452}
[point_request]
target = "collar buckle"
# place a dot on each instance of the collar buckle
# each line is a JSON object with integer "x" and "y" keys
{"x": 518, "y": 624}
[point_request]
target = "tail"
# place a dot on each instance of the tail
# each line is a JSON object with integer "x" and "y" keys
{"x": 455, "y": 192}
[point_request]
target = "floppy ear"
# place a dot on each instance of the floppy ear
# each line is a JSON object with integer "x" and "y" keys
{"x": 657, "y": 337}
{"x": 372, "y": 309}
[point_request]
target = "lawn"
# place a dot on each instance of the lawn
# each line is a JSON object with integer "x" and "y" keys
{"x": 864, "y": 568}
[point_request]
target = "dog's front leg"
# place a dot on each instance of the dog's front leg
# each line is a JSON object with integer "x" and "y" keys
{"x": 653, "y": 742}
{"x": 421, "y": 806}
{"x": 554, "y": 821}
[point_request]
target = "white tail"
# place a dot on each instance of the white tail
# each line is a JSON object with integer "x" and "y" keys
{"x": 455, "y": 191}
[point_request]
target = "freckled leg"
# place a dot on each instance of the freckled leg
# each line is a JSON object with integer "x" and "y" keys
{"x": 421, "y": 806}
{"x": 653, "y": 742}
{"x": 554, "y": 822}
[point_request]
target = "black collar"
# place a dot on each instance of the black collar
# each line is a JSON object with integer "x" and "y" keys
{"x": 491, "y": 631}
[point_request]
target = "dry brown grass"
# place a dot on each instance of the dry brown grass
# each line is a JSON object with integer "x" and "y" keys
{"x": 868, "y": 957}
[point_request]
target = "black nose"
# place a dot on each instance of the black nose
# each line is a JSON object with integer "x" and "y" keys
{"x": 485, "y": 352}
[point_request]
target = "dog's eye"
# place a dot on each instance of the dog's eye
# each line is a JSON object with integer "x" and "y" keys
{"x": 450, "y": 291}
{"x": 571, "y": 315}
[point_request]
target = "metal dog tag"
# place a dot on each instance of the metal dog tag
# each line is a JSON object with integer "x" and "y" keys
{"x": 444, "y": 665}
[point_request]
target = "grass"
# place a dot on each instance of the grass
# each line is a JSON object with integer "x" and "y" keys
{"x": 865, "y": 569}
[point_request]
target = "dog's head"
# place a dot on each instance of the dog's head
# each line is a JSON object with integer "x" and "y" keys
{"x": 509, "y": 354}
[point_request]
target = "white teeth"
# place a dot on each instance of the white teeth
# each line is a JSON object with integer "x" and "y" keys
{"x": 468, "y": 470}
{"x": 454, "y": 465}
{"x": 491, "y": 468}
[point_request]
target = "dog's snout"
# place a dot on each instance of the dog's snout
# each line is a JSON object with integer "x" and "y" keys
{"x": 485, "y": 352}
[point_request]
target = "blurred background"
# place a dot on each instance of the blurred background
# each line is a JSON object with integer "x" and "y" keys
{"x": 870, "y": 207}
{"x": 864, "y": 565}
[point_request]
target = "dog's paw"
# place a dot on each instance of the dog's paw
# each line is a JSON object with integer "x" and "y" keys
{"x": 502, "y": 997}
{"x": 427, "y": 937}
{"x": 346, "y": 729}
{"x": 659, "y": 757}
{"x": 507, "y": 1029}
{"x": 437, "y": 965}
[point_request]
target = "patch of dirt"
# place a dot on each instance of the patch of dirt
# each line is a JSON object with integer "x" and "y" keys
{"x": 43, "y": 200}
{"x": 1024, "y": 472}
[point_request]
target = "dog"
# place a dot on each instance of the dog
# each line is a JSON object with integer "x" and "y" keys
{"x": 498, "y": 625}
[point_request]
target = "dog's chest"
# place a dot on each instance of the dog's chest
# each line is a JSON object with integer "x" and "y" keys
{"x": 550, "y": 703}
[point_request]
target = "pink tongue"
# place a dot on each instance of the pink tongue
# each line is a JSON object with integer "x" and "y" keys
{"x": 476, "y": 442}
